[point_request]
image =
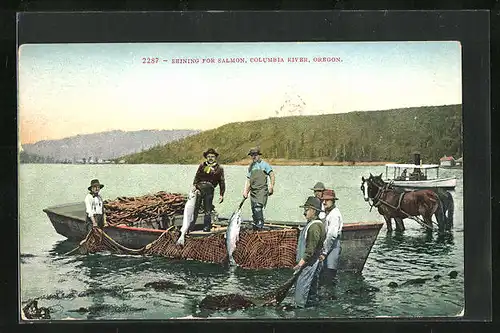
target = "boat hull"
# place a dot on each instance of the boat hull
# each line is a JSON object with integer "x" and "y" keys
{"x": 69, "y": 221}
{"x": 444, "y": 183}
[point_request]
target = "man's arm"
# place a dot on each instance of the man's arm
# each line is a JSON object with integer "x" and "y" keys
{"x": 197, "y": 174}
{"x": 88, "y": 209}
{"x": 271, "y": 186}
{"x": 222, "y": 185}
{"x": 247, "y": 188}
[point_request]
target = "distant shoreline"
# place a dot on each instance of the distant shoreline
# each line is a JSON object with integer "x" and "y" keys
{"x": 289, "y": 162}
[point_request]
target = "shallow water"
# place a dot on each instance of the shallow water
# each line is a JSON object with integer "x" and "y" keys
{"x": 112, "y": 286}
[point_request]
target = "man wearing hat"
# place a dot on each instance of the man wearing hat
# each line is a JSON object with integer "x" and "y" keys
{"x": 207, "y": 177}
{"x": 318, "y": 189}
{"x": 333, "y": 226}
{"x": 256, "y": 185}
{"x": 94, "y": 206}
{"x": 309, "y": 248}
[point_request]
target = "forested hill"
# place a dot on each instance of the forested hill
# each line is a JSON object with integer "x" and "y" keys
{"x": 389, "y": 135}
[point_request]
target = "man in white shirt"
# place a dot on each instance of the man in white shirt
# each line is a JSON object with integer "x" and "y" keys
{"x": 94, "y": 206}
{"x": 333, "y": 226}
{"x": 318, "y": 189}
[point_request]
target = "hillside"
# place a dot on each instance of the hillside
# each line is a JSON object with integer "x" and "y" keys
{"x": 25, "y": 157}
{"x": 104, "y": 145}
{"x": 389, "y": 135}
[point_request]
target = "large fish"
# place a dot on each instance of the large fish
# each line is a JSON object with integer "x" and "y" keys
{"x": 188, "y": 216}
{"x": 233, "y": 233}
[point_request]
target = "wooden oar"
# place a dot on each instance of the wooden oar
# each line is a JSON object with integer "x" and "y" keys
{"x": 277, "y": 295}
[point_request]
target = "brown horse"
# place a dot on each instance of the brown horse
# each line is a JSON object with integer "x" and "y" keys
{"x": 400, "y": 204}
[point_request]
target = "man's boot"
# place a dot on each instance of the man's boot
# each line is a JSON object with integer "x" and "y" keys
{"x": 207, "y": 223}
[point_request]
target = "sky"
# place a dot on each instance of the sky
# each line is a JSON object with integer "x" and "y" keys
{"x": 70, "y": 89}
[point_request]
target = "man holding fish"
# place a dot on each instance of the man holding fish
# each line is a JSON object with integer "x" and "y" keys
{"x": 208, "y": 176}
{"x": 256, "y": 185}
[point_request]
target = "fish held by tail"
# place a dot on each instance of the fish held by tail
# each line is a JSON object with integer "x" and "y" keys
{"x": 232, "y": 235}
{"x": 188, "y": 216}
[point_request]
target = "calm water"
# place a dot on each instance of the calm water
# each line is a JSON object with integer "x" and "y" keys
{"x": 112, "y": 286}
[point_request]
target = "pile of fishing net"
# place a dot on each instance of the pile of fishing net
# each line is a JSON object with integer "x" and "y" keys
{"x": 254, "y": 250}
{"x": 127, "y": 210}
{"x": 236, "y": 301}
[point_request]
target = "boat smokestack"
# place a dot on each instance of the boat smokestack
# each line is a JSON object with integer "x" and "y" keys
{"x": 416, "y": 158}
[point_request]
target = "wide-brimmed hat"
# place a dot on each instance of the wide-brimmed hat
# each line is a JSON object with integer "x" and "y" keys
{"x": 254, "y": 151}
{"x": 210, "y": 151}
{"x": 312, "y": 202}
{"x": 319, "y": 186}
{"x": 329, "y": 195}
{"x": 95, "y": 182}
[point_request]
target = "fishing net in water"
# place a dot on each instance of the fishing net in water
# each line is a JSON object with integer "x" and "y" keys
{"x": 254, "y": 250}
{"x": 98, "y": 241}
{"x": 269, "y": 249}
{"x": 210, "y": 248}
{"x": 128, "y": 210}
{"x": 237, "y": 301}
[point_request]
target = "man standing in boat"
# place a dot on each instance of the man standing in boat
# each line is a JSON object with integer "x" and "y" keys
{"x": 257, "y": 186}
{"x": 94, "y": 206}
{"x": 318, "y": 189}
{"x": 309, "y": 249}
{"x": 207, "y": 177}
{"x": 333, "y": 226}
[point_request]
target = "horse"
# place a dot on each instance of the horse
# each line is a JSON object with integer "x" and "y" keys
{"x": 447, "y": 206}
{"x": 399, "y": 204}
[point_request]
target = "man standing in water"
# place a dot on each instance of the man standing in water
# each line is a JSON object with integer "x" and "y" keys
{"x": 94, "y": 206}
{"x": 208, "y": 176}
{"x": 309, "y": 248}
{"x": 256, "y": 185}
{"x": 333, "y": 226}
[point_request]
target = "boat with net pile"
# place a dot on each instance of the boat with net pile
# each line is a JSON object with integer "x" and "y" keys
{"x": 137, "y": 228}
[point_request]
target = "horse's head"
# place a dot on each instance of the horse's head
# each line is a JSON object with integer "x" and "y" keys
{"x": 377, "y": 180}
{"x": 370, "y": 186}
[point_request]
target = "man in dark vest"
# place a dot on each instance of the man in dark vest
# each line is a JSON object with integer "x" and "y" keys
{"x": 208, "y": 176}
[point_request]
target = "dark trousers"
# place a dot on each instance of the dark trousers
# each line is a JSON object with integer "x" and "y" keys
{"x": 99, "y": 218}
{"x": 206, "y": 199}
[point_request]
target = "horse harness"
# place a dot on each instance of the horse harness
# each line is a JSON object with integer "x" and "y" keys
{"x": 377, "y": 202}
{"x": 381, "y": 190}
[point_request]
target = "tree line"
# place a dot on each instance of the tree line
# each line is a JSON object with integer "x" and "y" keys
{"x": 390, "y": 135}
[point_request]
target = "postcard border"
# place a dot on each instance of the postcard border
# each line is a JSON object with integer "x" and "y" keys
{"x": 471, "y": 28}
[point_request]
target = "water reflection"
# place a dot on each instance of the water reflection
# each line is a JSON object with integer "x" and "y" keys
{"x": 422, "y": 243}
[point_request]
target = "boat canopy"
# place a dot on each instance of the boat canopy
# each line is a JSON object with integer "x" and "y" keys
{"x": 423, "y": 166}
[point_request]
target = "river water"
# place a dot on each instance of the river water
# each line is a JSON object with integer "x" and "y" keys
{"x": 111, "y": 286}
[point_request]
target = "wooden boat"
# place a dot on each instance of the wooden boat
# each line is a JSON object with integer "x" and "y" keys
{"x": 69, "y": 221}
